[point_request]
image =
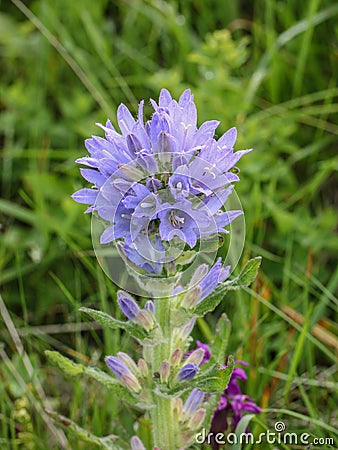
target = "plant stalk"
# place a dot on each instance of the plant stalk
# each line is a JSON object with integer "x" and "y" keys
{"x": 164, "y": 432}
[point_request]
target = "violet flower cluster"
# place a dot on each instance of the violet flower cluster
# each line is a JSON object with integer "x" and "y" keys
{"x": 160, "y": 188}
{"x": 160, "y": 182}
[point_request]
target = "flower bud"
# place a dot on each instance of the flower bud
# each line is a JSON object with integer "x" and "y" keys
{"x": 136, "y": 443}
{"x": 126, "y": 359}
{"x": 180, "y": 334}
{"x": 177, "y": 405}
{"x": 197, "y": 419}
{"x": 192, "y": 403}
{"x": 187, "y": 372}
{"x": 117, "y": 366}
{"x": 176, "y": 357}
{"x": 131, "y": 382}
{"x": 199, "y": 274}
{"x": 196, "y": 357}
{"x": 150, "y": 306}
{"x": 191, "y": 298}
{"x": 143, "y": 367}
{"x": 164, "y": 371}
{"x": 145, "y": 319}
{"x": 127, "y": 305}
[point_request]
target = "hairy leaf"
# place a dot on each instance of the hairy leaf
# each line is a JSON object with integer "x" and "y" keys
{"x": 71, "y": 368}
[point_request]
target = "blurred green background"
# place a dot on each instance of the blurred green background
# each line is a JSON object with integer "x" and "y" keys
{"x": 267, "y": 67}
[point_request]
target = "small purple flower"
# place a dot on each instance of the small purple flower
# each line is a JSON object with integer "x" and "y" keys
{"x": 117, "y": 366}
{"x": 192, "y": 402}
{"x": 128, "y": 305}
{"x": 187, "y": 372}
{"x": 150, "y": 306}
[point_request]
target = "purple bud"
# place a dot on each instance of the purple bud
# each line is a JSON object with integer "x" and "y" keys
{"x": 187, "y": 372}
{"x": 127, "y": 305}
{"x": 128, "y": 362}
{"x": 117, "y": 366}
{"x": 136, "y": 443}
{"x": 193, "y": 401}
{"x": 150, "y": 306}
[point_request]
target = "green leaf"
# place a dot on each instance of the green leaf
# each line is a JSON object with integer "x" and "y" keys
{"x": 108, "y": 321}
{"x": 240, "y": 431}
{"x": 219, "y": 345}
{"x": 210, "y": 302}
{"x": 218, "y": 380}
{"x": 246, "y": 277}
{"x": 65, "y": 364}
{"x": 71, "y": 368}
{"x": 107, "y": 442}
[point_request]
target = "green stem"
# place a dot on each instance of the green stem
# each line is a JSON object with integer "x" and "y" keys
{"x": 162, "y": 414}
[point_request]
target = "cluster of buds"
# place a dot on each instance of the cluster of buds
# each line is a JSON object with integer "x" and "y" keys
{"x": 175, "y": 371}
{"x": 189, "y": 416}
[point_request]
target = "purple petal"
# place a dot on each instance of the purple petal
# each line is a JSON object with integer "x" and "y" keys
{"x": 93, "y": 176}
{"x": 86, "y": 196}
{"x": 228, "y": 139}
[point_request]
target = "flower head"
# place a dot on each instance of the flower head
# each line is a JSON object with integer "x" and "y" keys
{"x": 160, "y": 182}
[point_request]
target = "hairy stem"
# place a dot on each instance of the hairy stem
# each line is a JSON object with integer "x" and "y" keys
{"x": 162, "y": 414}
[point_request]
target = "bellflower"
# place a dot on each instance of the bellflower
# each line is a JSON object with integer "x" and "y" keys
{"x": 161, "y": 180}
